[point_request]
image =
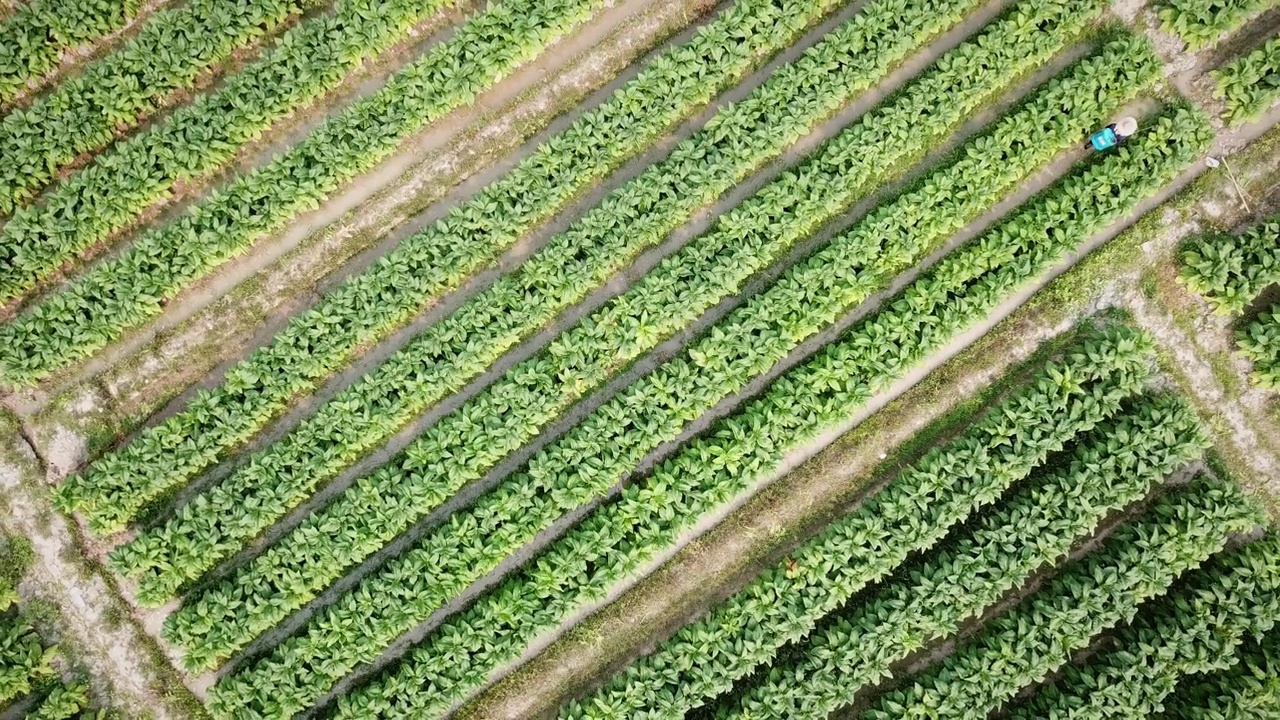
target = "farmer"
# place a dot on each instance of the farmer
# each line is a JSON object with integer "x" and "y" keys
{"x": 1113, "y": 134}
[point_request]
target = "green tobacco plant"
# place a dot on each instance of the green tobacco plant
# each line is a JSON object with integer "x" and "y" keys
{"x": 24, "y": 660}
{"x": 1248, "y": 690}
{"x": 36, "y": 33}
{"x": 575, "y": 263}
{"x": 1260, "y": 342}
{"x": 1104, "y": 589}
{"x": 1067, "y": 397}
{"x": 363, "y": 311}
{"x": 1251, "y": 84}
{"x": 83, "y": 113}
{"x": 534, "y": 393}
{"x": 710, "y": 268}
{"x": 131, "y": 288}
{"x": 784, "y": 603}
{"x": 1201, "y": 23}
{"x": 623, "y": 537}
{"x": 1196, "y": 629}
{"x": 62, "y": 702}
{"x": 1230, "y": 270}
{"x": 194, "y": 141}
{"x": 1117, "y": 464}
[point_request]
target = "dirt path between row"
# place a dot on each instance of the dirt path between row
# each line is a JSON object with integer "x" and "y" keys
{"x": 266, "y": 251}
{"x": 94, "y": 619}
{"x": 1249, "y": 445}
{"x": 136, "y": 387}
{"x": 585, "y": 656}
{"x": 567, "y": 320}
{"x": 73, "y": 58}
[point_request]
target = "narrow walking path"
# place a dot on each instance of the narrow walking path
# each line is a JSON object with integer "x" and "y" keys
{"x": 94, "y": 618}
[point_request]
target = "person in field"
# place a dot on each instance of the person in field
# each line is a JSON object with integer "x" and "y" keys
{"x": 1113, "y": 134}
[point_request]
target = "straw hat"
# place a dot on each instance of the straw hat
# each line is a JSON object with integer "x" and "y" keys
{"x": 1126, "y": 126}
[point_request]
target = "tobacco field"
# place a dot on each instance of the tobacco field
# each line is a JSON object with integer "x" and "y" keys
{"x": 624, "y": 359}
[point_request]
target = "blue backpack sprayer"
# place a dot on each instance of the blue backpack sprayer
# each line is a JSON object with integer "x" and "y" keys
{"x": 1111, "y": 135}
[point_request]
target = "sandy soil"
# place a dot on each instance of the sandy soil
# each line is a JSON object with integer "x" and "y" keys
{"x": 116, "y": 651}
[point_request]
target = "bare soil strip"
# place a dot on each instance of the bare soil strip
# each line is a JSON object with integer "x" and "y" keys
{"x": 74, "y": 58}
{"x": 591, "y": 653}
{"x": 210, "y": 80}
{"x": 95, "y": 619}
{"x": 211, "y": 288}
{"x": 94, "y": 411}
